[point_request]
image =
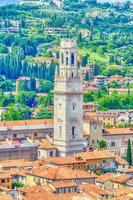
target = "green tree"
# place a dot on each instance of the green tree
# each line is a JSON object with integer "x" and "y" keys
{"x": 3, "y": 49}
{"x": 129, "y": 152}
{"x": 17, "y": 112}
{"x": 46, "y": 86}
{"x": 17, "y": 185}
{"x": 44, "y": 113}
{"x": 27, "y": 98}
{"x": 102, "y": 144}
{"x": 84, "y": 61}
{"x": 49, "y": 100}
{"x": 8, "y": 99}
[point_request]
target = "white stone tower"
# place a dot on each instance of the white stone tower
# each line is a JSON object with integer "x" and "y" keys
{"x": 68, "y": 101}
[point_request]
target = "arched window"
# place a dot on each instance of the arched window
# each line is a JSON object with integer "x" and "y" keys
{"x": 62, "y": 58}
{"x": 72, "y": 74}
{"x": 73, "y": 131}
{"x": 72, "y": 58}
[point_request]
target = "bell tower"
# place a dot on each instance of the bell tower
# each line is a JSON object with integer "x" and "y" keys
{"x": 68, "y": 101}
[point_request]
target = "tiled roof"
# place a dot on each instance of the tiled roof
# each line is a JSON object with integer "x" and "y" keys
{"x": 93, "y": 190}
{"x": 15, "y": 163}
{"x": 122, "y": 178}
{"x": 97, "y": 154}
{"x": 122, "y": 192}
{"x": 126, "y": 170}
{"x": 5, "y": 197}
{"x": 35, "y": 189}
{"x": 118, "y": 131}
{"x": 46, "y": 144}
{"x": 61, "y": 160}
{"x": 4, "y": 175}
{"x": 60, "y": 173}
{"x": 105, "y": 177}
{"x": 11, "y": 124}
{"x": 63, "y": 184}
{"x": 120, "y": 160}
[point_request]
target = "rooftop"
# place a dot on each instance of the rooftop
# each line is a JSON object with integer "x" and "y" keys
{"x": 63, "y": 184}
{"x": 19, "y": 124}
{"x": 15, "y": 163}
{"x": 120, "y": 160}
{"x": 105, "y": 177}
{"x": 97, "y": 154}
{"x": 118, "y": 131}
{"x": 126, "y": 170}
{"x": 46, "y": 144}
{"x": 122, "y": 179}
{"x": 60, "y": 173}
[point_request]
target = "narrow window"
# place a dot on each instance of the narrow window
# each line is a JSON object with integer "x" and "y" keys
{"x": 74, "y": 105}
{"x": 113, "y": 144}
{"x": 51, "y": 153}
{"x": 73, "y": 132}
{"x": 62, "y": 58}
{"x": 72, "y": 75}
{"x": 72, "y": 58}
{"x": 66, "y": 60}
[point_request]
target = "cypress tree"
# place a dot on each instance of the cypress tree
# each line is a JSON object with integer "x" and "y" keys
{"x": 129, "y": 153}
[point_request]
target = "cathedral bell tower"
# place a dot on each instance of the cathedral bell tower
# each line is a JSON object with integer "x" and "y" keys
{"x": 68, "y": 101}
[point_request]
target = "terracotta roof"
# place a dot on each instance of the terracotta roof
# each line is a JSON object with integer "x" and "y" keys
{"x": 46, "y": 144}
{"x": 24, "y": 78}
{"x": 10, "y": 124}
{"x": 105, "y": 177}
{"x": 41, "y": 196}
{"x": 61, "y": 160}
{"x": 16, "y": 171}
{"x": 90, "y": 104}
{"x": 97, "y": 154}
{"x": 120, "y": 89}
{"x": 35, "y": 189}
{"x": 87, "y": 89}
{"x": 126, "y": 170}
{"x": 4, "y": 175}
{"x": 120, "y": 160}
{"x": 122, "y": 191}
{"x": 107, "y": 113}
{"x": 5, "y": 197}
{"x": 60, "y": 173}
{"x": 52, "y": 196}
{"x": 41, "y": 94}
{"x": 44, "y": 59}
{"x": 93, "y": 190}
{"x": 63, "y": 184}
{"x": 15, "y": 163}
{"x": 122, "y": 179}
{"x": 118, "y": 131}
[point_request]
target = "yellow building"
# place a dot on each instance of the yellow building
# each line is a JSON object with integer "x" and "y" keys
{"x": 108, "y": 118}
{"x": 5, "y": 180}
